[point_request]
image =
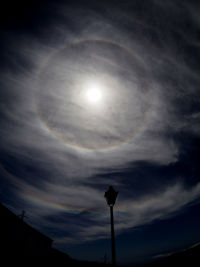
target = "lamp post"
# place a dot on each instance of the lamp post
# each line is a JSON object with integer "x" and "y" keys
{"x": 111, "y": 196}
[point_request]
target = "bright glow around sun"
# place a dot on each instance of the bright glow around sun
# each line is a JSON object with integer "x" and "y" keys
{"x": 94, "y": 94}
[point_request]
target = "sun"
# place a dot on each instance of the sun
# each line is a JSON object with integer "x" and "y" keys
{"x": 94, "y": 94}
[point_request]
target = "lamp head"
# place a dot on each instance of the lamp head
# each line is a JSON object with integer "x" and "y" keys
{"x": 111, "y": 196}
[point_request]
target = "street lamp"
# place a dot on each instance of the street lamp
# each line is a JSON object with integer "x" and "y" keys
{"x": 111, "y": 196}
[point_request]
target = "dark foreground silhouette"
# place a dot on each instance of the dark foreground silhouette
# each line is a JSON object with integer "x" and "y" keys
{"x": 22, "y": 245}
{"x": 189, "y": 257}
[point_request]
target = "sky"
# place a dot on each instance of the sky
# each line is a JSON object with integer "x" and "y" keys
{"x": 100, "y": 93}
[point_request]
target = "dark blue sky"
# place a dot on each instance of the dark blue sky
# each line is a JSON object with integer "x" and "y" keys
{"x": 99, "y": 93}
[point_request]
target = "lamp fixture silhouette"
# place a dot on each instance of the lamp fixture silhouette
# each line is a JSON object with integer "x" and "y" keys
{"x": 111, "y": 196}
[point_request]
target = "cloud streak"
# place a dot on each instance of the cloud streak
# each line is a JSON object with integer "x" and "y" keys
{"x": 52, "y": 141}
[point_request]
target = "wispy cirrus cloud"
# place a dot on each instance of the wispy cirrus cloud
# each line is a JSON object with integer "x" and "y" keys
{"x": 153, "y": 95}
